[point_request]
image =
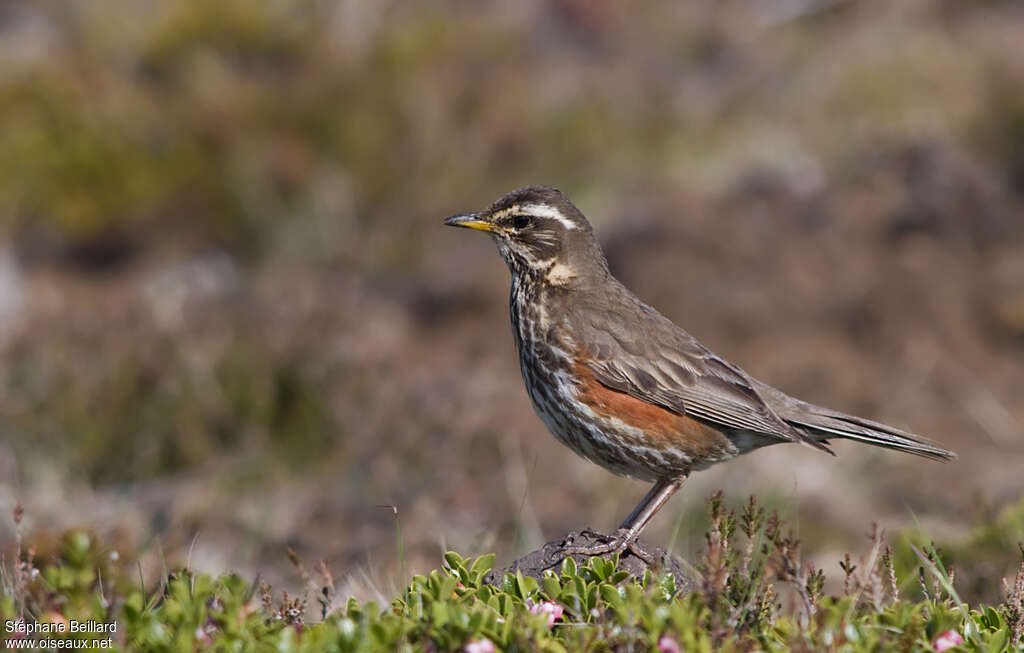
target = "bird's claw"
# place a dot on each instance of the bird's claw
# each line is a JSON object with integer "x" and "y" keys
{"x": 615, "y": 544}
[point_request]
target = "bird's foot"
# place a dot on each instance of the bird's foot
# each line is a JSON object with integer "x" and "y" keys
{"x": 621, "y": 541}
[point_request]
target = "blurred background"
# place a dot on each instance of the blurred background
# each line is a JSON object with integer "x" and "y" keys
{"x": 231, "y": 321}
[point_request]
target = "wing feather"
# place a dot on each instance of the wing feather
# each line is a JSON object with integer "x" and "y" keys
{"x": 665, "y": 366}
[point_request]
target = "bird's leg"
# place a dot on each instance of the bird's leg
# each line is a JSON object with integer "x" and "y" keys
{"x": 626, "y": 535}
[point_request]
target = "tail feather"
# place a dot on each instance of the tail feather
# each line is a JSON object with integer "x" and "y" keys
{"x": 825, "y": 423}
{"x": 833, "y": 424}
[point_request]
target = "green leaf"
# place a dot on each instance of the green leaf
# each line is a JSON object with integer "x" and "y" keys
{"x": 352, "y": 607}
{"x": 612, "y": 596}
{"x": 999, "y": 640}
{"x": 580, "y": 585}
{"x": 591, "y": 597}
{"x": 525, "y": 585}
{"x": 483, "y": 564}
{"x": 475, "y": 621}
{"x": 993, "y": 619}
{"x": 439, "y": 613}
{"x": 569, "y": 567}
{"x": 667, "y": 585}
{"x": 552, "y": 588}
{"x": 602, "y": 567}
{"x": 508, "y": 584}
{"x": 552, "y": 646}
{"x": 454, "y": 559}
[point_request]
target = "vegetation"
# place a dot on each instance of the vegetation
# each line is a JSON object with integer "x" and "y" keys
{"x": 231, "y": 324}
{"x": 750, "y": 591}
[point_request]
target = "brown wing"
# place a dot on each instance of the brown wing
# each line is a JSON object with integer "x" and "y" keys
{"x": 658, "y": 362}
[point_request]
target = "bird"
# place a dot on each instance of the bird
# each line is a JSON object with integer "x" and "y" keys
{"x": 622, "y": 385}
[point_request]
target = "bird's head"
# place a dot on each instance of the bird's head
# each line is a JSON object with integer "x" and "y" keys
{"x": 539, "y": 233}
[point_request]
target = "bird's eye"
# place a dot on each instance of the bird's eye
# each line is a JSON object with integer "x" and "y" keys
{"x": 520, "y": 221}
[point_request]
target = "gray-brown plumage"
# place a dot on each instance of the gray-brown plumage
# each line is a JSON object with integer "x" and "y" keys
{"x": 622, "y": 385}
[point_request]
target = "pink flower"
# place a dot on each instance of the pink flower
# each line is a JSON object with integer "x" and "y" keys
{"x": 482, "y": 645}
{"x": 947, "y": 640}
{"x": 202, "y": 637}
{"x": 550, "y": 608}
{"x": 668, "y": 645}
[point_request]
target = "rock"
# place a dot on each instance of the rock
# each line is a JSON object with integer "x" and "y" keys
{"x": 550, "y": 556}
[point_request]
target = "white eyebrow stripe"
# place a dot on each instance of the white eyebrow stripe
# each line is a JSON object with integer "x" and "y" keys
{"x": 545, "y": 211}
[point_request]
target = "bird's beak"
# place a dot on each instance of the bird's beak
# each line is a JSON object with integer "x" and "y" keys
{"x": 470, "y": 221}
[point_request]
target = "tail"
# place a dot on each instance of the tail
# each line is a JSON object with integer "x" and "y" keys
{"x": 825, "y": 423}
{"x": 833, "y": 424}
